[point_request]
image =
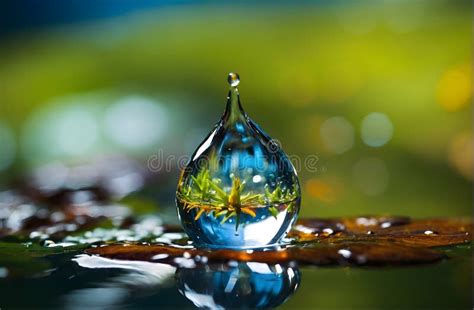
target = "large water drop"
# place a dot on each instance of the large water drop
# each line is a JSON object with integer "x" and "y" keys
{"x": 239, "y": 190}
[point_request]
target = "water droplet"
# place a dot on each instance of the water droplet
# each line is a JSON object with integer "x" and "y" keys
{"x": 159, "y": 256}
{"x": 430, "y": 233}
{"x": 185, "y": 262}
{"x": 328, "y": 231}
{"x": 48, "y": 243}
{"x": 233, "y": 79}
{"x": 345, "y": 253}
{"x": 238, "y": 190}
{"x": 363, "y": 221}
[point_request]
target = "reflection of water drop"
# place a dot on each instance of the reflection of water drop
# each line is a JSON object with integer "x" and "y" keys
{"x": 244, "y": 285}
{"x": 238, "y": 190}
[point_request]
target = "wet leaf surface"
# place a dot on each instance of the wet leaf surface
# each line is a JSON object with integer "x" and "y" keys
{"x": 335, "y": 254}
{"x": 400, "y": 230}
{"x": 346, "y": 241}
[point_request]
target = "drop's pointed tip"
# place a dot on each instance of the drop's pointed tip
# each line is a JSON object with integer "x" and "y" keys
{"x": 233, "y": 79}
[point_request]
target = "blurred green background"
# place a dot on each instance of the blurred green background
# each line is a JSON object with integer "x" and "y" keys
{"x": 380, "y": 92}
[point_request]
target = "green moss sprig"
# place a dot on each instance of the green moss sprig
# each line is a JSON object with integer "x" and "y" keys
{"x": 206, "y": 195}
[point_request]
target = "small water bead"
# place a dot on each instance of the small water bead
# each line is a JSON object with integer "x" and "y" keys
{"x": 48, "y": 243}
{"x": 233, "y": 79}
{"x": 160, "y": 256}
{"x": 345, "y": 253}
{"x": 238, "y": 191}
{"x": 328, "y": 231}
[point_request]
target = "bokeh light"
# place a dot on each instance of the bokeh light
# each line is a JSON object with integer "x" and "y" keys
{"x": 455, "y": 88}
{"x": 337, "y": 134}
{"x": 136, "y": 122}
{"x": 376, "y": 129}
{"x": 65, "y": 128}
{"x": 322, "y": 190}
{"x": 76, "y": 131}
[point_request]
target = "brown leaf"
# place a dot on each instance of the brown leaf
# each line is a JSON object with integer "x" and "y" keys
{"x": 360, "y": 254}
{"x": 402, "y": 230}
{"x": 359, "y": 241}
